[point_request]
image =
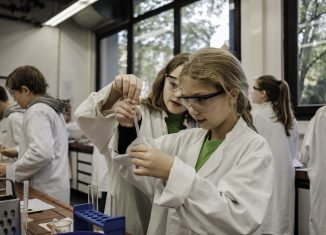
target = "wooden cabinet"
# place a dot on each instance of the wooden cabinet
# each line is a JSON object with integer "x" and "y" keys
{"x": 81, "y": 166}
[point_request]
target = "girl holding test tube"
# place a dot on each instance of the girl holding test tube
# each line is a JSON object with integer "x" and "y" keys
{"x": 159, "y": 114}
{"x": 216, "y": 179}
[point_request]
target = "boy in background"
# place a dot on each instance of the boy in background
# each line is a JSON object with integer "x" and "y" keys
{"x": 43, "y": 151}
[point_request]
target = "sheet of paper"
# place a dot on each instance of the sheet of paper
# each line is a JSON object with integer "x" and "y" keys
{"x": 35, "y": 205}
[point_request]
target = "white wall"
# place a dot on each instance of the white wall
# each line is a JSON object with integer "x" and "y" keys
{"x": 64, "y": 55}
{"x": 261, "y": 38}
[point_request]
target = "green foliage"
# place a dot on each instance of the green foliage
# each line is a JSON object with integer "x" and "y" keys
{"x": 312, "y": 51}
{"x": 154, "y": 37}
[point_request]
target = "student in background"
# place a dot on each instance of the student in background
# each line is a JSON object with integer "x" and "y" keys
{"x": 160, "y": 113}
{"x": 216, "y": 179}
{"x": 313, "y": 157}
{"x": 11, "y": 122}
{"x": 43, "y": 150}
{"x": 273, "y": 117}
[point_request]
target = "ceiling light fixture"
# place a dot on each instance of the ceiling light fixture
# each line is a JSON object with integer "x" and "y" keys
{"x": 68, "y": 12}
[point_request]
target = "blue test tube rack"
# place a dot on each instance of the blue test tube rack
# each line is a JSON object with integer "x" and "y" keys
{"x": 85, "y": 217}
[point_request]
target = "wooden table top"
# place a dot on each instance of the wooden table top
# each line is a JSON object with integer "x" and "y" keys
{"x": 60, "y": 211}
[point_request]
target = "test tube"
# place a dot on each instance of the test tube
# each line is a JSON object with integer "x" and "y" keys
{"x": 137, "y": 128}
{"x": 25, "y": 201}
{"x": 93, "y": 196}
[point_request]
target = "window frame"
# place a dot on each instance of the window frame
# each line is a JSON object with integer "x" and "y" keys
{"x": 290, "y": 16}
{"x": 176, "y": 5}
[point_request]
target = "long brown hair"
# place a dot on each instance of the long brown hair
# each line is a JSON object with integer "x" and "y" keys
{"x": 155, "y": 98}
{"x": 221, "y": 68}
{"x": 278, "y": 93}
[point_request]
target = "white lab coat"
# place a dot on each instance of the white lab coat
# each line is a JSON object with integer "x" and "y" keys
{"x": 123, "y": 198}
{"x": 280, "y": 216}
{"x": 100, "y": 171}
{"x": 313, "y": 156}
{"x": 43, "y": 152}
{"x": 228, "y": 195}
{"x": 11, "y": 129}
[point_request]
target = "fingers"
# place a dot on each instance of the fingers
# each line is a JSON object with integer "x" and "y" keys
{"x": 126, "y": 109}
{"x": 129, "y": 85}
{"x": 139, "y": 148}
{"x": 141, "y": 171}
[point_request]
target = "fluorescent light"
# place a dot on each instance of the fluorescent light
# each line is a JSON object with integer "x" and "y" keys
{"x": 70, "y": 11}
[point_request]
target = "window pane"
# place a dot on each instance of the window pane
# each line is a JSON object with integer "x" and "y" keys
{"x": 311, "y": 52}
{"x": 113, "y": 53}
{"x": 153, "y": 46}
{"x": 205, "y": 24}
{"x": 143, "y": 6}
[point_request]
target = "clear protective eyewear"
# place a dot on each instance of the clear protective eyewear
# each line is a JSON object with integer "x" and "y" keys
{"x": 256, "y": 88}
{"x": 172, "y": 82}
{"x": 198, "y": 102}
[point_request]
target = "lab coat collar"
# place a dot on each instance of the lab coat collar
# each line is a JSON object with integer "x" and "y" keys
{"x": 217, "y": 157}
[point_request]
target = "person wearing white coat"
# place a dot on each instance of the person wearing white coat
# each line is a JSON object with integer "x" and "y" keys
{"x": 98, "y": 125}
{"x": 100, "y": 176}
{"x": 215, "y": 180}
{"x": 11, "y": 122}
{"x": 43, "y": 151}
{"x": 313, "y": 157}
{"x": 274, "y": 120}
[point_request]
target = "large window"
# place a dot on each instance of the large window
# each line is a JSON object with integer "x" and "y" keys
{"x": 159, "y": 29}
{"x": 113, "y": 57}
{"x": 153, "y": 46}
{"x": 305, "y": 54}
{"x": 143, "y": 6}
{"x": 204, "y": 24}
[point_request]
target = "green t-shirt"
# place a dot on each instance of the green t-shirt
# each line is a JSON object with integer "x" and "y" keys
{"x": 209, "y": 146}
{"x": 174, "y": 122}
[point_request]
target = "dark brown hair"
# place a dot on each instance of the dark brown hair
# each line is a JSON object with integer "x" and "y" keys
{"x": 155, "y": 98}
{"x": 278, "y": 93}
{"x": 3, "y": 94}
{"x": 28, "y": 76}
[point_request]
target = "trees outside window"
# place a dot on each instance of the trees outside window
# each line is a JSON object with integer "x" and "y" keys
{"x": 305, "y": 54}
{"x": 158, "y": 29}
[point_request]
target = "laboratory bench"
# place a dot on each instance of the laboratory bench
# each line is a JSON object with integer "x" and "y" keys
{"x": 60, "y": 210}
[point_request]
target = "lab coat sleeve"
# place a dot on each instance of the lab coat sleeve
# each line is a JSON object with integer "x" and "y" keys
{"x": 97, "y": 126}
{"x": 17, "y": 128}
{"x": 294, "y": 138}
{"x": 307, "y": 143}
{"x": 143, "y": 183}
{"x": 236, "y": 205}
{"x": 40, "y": 148}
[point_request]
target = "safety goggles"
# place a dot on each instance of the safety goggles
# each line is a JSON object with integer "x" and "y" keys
{"x": 172, "y": 82}
{"x": 256, "y": 88}
{"x": 198, "y": 102}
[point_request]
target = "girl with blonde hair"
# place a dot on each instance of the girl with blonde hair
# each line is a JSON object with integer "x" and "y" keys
{"x": 216, "y": 179}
